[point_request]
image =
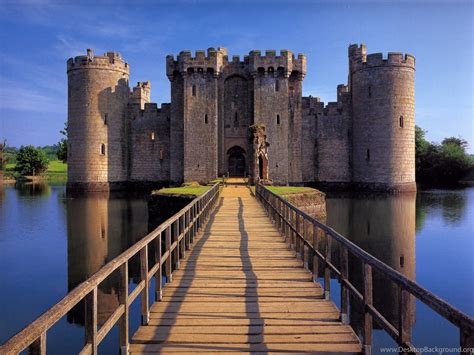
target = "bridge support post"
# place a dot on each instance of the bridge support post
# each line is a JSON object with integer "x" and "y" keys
{"x": 315, "y": 257}
{"x": 467, "y": 339}
{"x": 144, "y": 277}
{"x": 344, "y": 291}
{"x": 39, "y": 346}
{"x": 159, "y": 272}
{"x": 368, "y": 299}
{"x": 91, "y": 320}
{"x": 297, "y": 236}
{"x": 404, "y": 328}
{"x": 176, "y": 249}
{"x": 327, "y": 270}
{"x": 169, "y": 277}
{"x": 123, "y": 299}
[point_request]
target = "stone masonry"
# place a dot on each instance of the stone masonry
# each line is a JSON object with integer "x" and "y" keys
{"x": 365, "y": 140}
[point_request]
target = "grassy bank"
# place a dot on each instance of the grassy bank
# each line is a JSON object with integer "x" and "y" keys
{"x": 57, "y": 171}
{"x": 287, "y": 190}
{"x": 188, "y": 189}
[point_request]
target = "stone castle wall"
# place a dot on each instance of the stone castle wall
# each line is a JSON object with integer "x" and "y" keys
{"x": 383, "y": 118}
{"x": 334, "y": 139}
{"x": 366, "y": 138}
{"x": 149, "y": 143}
{"x": 98, "y": 95}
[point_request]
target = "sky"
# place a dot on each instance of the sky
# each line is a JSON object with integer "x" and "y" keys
{"x": 38, "y": 36}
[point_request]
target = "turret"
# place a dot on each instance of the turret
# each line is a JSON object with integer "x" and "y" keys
{"x": 383, "y": 102}
{"x": 140, "y": 94}
{"x": 194, "y": 111}
{"x": 211, "y": 64}
{"x": 284, "y": 64}
{"x": 98, "y": 95}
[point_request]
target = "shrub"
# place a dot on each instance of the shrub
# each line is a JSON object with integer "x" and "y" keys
{"x": 31, "y": 161}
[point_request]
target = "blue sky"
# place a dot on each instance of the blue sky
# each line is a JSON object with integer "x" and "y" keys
{"x": 37, "y": 37}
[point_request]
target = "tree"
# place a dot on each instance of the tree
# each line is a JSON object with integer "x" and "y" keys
{"x": 461, "y": 143}
{"x": 440, "y": 164}
{"x": 62, "y": 145}
{"x": 31, "y": 161}
{"x": 3, "y": 159}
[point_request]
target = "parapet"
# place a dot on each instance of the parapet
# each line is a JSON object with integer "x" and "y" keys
{"x": 109, "y": 61}
{"x": 359, "y": 59}
{"x": 148, "y": 109}
{"x": 271, "y": 62}
{"x": 212, "y": 63}
{"x": 311, "y": 103}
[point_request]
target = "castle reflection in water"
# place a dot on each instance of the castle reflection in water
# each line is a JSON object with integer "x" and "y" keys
{"x": 100, "y": 227}
{"x": 384, "y": 226}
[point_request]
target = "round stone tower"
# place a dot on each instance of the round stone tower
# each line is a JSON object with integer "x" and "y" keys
{"x": 98, "y": 94}
{"x": 383, "y": 102}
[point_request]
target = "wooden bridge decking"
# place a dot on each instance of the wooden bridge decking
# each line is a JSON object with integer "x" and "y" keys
{"x": 242, "y": 289}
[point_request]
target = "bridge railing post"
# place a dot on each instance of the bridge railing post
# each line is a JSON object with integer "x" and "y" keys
{"x": 144, "y": 277}
{"x": 159, "y": 272}
{"x": 297, "y": 235}
{"x": 404, "y": 327}
{"x": 38, "y": 347}
{"x": 169, "y": 277}
{"x": 183, "y": 235}
{"x": 176, "y": 249}
{"x": 315, "y": 249}
{"x": 186, "y": 227}
{"x": 90, "y": 321}
{"x": 368, "y": 300}
{"x": 305, "y": 236}
{"x": 344, "y": 265}
{"x": 123, "y": 300}
{"x": 327, "y": 270}
{"x": 280, "y": 219}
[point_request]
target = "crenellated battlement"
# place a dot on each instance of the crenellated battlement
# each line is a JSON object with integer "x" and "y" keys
{"x": 359, "y": 59}
{"x": 149, "y": 108}
{"x": 140, "y": 94}
{"x": 109, "y": 61}
{"x": 285, "y": 63}
{"x": 185, "y": 63}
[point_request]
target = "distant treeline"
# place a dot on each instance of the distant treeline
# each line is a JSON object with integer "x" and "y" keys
{"x": 10, "y": 153}
{"x": 441, "y": 164}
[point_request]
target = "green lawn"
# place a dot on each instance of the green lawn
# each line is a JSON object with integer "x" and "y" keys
{"x": 185, "y": 190}
{"x": 57, "y": 170}
{"x": 56, "y": 167}
{"x": 286, "y": 190}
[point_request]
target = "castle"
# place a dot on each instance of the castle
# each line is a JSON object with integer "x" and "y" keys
{"x": 243, "y": 118}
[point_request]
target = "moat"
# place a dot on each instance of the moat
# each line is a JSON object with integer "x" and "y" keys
{"x": 48, "y": 248}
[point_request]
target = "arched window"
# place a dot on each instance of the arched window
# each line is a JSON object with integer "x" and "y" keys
{"x": 102, "y": 149}
{"x": 278, "y": 119}
{"x": 205, "y": 118}
{"x": 369, "y": 91}
{"x": 162, "y": 154}
{"x": 401, "y": 122}
{"x": 277, "y": 85}
{"x": 152, "y": 136}
{"x": 236, "y": 120}
{"x": 367, "y": 155}
{"x": 194, "y": 90}
{"x": 105, "y": 118}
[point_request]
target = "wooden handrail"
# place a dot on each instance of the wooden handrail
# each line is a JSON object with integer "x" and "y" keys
{"x": 194, "y": 216}
{"x": 287, "y": 216}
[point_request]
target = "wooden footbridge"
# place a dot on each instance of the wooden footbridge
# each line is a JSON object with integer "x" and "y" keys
{"x": 237, "y": 280}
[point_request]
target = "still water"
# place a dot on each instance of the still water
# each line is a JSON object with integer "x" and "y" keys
{"x": 50, "y": 242}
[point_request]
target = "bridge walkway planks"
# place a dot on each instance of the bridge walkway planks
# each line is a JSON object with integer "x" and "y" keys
{"x": 241, "y": 289}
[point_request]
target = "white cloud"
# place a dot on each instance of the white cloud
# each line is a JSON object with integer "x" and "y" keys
{"x": 20, "y": 98}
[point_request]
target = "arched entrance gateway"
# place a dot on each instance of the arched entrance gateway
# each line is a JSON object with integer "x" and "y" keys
{"x": 236, "y": 161}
